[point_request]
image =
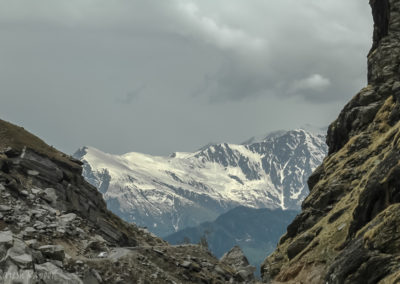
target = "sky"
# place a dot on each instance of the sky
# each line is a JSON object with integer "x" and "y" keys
{"x": 173, "y": 75}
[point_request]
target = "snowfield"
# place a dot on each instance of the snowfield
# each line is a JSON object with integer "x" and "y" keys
{"x": 167, "y": 194}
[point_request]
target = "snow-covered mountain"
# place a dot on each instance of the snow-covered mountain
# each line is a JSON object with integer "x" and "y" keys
{"x": 167, "y": 194}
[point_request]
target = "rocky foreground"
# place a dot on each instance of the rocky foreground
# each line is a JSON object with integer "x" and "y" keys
{"x": 349, "y": 227}
{"x": 55, "y": 228}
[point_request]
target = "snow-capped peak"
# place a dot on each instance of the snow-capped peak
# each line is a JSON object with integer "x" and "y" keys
{"x": 188, "y": 188}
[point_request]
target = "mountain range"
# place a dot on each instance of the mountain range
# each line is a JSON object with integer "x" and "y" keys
{"x": 167, "y": 194}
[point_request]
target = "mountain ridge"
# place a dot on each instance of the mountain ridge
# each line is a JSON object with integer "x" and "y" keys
{"x": 166, "y": 194}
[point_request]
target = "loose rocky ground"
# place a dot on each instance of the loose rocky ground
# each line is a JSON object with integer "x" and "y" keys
{"x": 55, "y": 228}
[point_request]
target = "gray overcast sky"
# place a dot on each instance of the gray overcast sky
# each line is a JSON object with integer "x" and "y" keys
{"x": 172, "y": 75}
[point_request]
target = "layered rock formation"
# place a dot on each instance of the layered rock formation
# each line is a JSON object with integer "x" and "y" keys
{"x": 348, "y": 230}
{"x": 55, "y": 228}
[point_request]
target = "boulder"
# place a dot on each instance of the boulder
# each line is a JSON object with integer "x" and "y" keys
{"x": 22, "y": 260}
{"x": 55, "y": 252}
{"x": 50, "y": 274}
{"x": 236, "y": 258}
{"x": 6, "y": 238}
{"x": 67, "y": 218}
{"x": 5, "y": 208}
{"x": 186, "y": 264}
{"x": 18, "y": 254}
{"x": 50, "y": 195}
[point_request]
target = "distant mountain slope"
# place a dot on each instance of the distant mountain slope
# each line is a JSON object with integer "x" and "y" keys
{"x": 167, "y": 194}
{"x": 256, "y": 231}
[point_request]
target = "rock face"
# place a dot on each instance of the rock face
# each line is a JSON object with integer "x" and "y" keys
{"x": 238, "y": 260}
{"x": 55, "y": 227}
{"x": 348, "y": 230}
{"x": 167, "y": 194}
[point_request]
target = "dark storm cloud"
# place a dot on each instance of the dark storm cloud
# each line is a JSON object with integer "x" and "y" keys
{"x": 309, "y": 49}
{"x": 161, "y": 76}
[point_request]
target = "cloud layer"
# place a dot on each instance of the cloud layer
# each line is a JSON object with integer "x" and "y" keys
{"x": 121, "y": 74}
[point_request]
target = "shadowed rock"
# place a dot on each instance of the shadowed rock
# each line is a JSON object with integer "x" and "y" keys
{"x": 348, "y": 231}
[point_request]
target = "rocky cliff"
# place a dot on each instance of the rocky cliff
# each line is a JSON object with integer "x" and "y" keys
{"x": 55, "y": 228}
{"x": 348, "y": 230}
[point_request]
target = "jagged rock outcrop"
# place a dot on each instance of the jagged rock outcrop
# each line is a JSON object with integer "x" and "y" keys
{"x": 236, "y": 258}
{"x": 55, "y": 227}
{"x": 348, "y": 230}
